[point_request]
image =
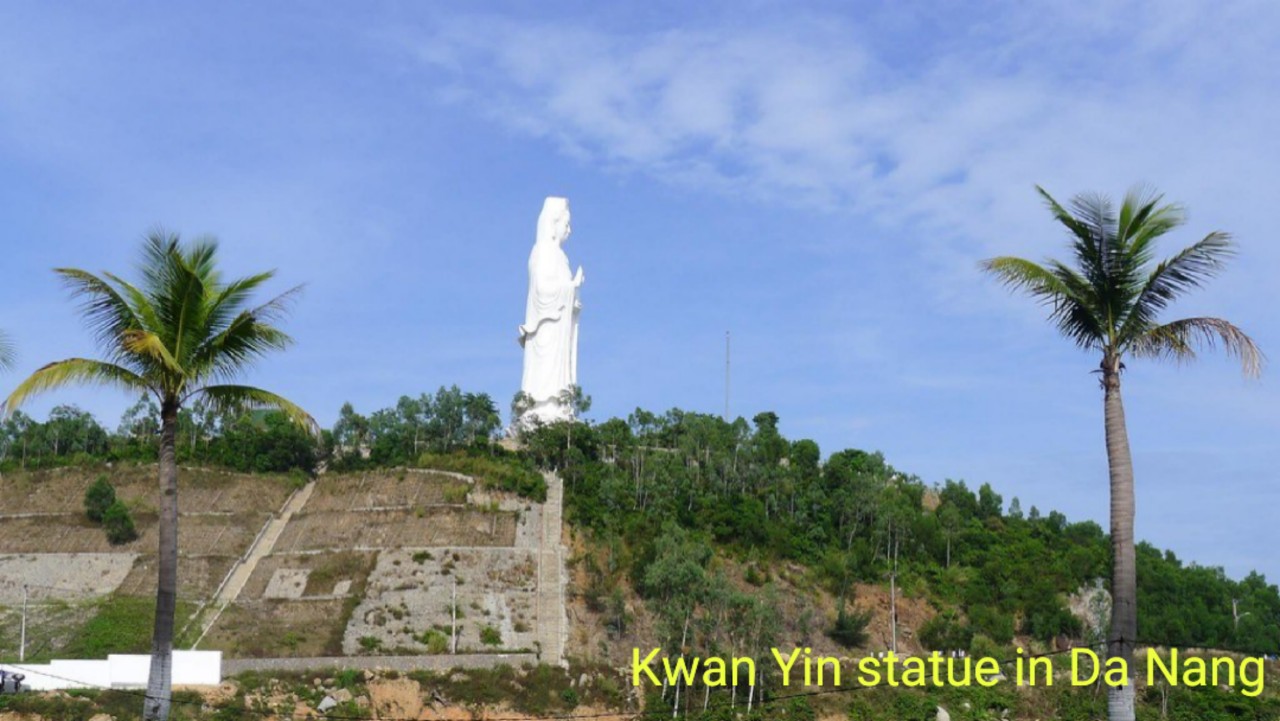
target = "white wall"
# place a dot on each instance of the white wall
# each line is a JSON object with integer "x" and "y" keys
{"x": 190, "y": 668}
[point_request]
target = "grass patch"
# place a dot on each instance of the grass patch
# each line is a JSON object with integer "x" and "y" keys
{"x": 506, "y": 472}
{"x": 535, "y": 690}
{"x": 338, "y": 567}
{"x": 121, "y": 624}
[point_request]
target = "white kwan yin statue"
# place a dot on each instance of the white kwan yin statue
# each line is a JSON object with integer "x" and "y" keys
{"x": 550, "y": 331}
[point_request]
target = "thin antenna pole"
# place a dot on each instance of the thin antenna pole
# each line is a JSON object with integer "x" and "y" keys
{"x": 726, "y": 376}
{"x": 22, "y": 645}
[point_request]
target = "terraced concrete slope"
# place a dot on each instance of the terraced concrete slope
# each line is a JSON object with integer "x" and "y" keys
{"x": 377, "y": 564}
{"x": 400, "y": 563}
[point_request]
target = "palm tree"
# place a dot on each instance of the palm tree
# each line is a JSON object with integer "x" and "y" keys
{"x": 181, "y": 333}
{"x": 1109, "y": 303}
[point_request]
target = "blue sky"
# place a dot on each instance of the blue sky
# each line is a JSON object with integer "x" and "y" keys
{"x": 821, "y": 179}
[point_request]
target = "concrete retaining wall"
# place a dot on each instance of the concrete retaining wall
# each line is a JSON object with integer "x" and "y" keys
{"x": 233, "y": 666}
{"x": 190, "y": 668}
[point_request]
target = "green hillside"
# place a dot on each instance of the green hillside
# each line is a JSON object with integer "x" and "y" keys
{"x": 685, "y": 531}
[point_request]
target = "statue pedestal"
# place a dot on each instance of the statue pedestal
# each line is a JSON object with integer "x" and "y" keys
{"x": 545, "y": 413}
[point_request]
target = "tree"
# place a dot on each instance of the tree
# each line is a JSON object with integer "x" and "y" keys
{"x": 181, "y": 333}
{"x": 98, "y": 497}
{"x": 521, "y": 403}
{"x": 350, "y": 436}
{"x": 575, "y": 400}
{"x": 482, "y": 419}
{"x": 1109, "y": 303}
{"x": 118, "y": 524}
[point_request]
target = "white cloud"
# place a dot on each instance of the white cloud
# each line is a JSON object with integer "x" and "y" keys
{"x": 808, "y": 112}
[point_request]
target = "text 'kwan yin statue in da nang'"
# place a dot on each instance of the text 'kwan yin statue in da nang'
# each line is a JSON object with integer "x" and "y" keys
{"x": 550, "y": 331}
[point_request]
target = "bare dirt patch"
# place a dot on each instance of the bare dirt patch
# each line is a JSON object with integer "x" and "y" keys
{"x": 198, "y": 576}
{"x": 201, "y": 490}
{"x": 385, "y": 489}
{"x": 324, "y": 572}
{"x": 397, "y": 529}
{"x": 276, "y": 628}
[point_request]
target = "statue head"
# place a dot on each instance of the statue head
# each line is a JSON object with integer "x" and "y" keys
{"x": 553, "y": 221}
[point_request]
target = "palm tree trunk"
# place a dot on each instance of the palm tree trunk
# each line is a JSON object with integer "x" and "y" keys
{"x": 1124, "y": 578}
{"x": 159, "y": 683}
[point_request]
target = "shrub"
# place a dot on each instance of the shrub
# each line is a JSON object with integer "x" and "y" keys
{"x": 850, "y": 629}
{"x": 490, "y": 636}
{"x": 508, "y": 473}
{"x": 569, "y": 697}
{"x": 98, "y": 498}
{"x": 983, "y": 647}
{"x": 992, "y": 623}
{"x": 118, "y": 524}
{"x": 946, "y": 632}
{"x": 437, "y": 641}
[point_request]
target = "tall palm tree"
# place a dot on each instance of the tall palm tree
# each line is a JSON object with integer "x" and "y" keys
{"x": 180, "y": 333}
{"x": 1108, "y": 302}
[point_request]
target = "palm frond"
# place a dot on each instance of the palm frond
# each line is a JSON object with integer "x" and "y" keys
{"x": 1078, "y": 229}
{"x": 107, "y": 311}
{"x": 7, "y": 352}
{"x": 1143, "y": 220}
{"x": 1182, "y": 339}
{"x": 279, "y": 306}
{"x": 237, "y": 398}
{"x": 143, "y": 307}
{"x": 228, "y": 302}
{"x": 244, "y": 341}
{"x": 1187, "y": 270}
{"x": 1099, "y": 254}
{"x": 1067, "y": 293}
{"x": 149, "y": 345}
{"x": 1025, "y": 275}
{"x": 1083, "y": 319}
{"x": 75, "y": 371}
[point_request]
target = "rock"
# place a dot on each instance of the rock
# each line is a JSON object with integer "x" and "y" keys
{"x": 342, "y": 695}
{"x": 942, "y": 715}
{"x": 316, "y": 681}
{"x": 102, "y": 717}
{"x": 325, "y": 704}
{"x": 584, "y": 680}
{"x": 396, "y": 698}
{"x": 362, "y": 701}
{"x": 330, "y": 682}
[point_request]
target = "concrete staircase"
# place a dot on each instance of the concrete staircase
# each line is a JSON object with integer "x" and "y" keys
{"x": 553, "y": 625}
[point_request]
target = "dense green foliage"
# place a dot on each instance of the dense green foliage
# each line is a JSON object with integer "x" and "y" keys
{"x": 685, "y": 478}
{"x": 98, "y": 497}
{"x": 118, "y": 524}
{"x": 494, "y": 467}
{"x": 262, "y": 441}
{"x": 447, "y": 421}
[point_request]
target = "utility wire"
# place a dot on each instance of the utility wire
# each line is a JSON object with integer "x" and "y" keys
{"x": 776, "y": 698}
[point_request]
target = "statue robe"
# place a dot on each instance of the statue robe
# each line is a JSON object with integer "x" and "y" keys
{"x": 550, "y": 331}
